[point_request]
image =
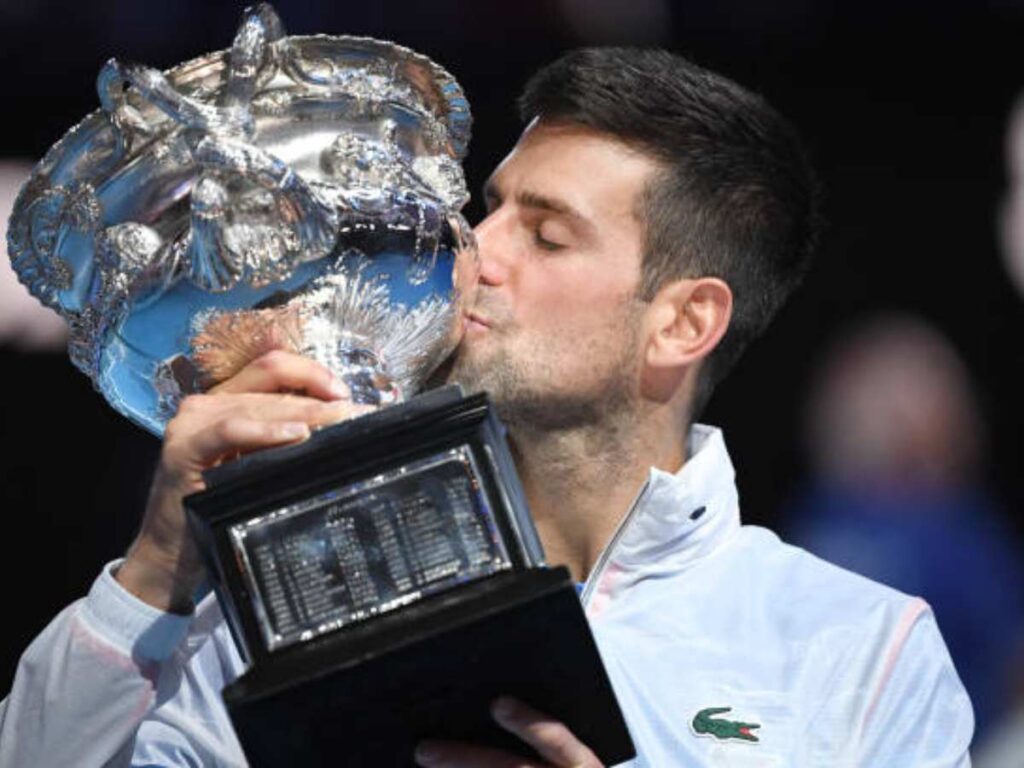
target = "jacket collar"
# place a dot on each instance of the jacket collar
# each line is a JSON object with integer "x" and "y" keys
{"x": 675, "y": 520}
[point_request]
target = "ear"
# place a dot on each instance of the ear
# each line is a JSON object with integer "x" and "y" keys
{"x": 685, "y": 321}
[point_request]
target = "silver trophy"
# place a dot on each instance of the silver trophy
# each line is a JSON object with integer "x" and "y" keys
{"x": 293, "y": 192}
{"x": 383, "y": 580}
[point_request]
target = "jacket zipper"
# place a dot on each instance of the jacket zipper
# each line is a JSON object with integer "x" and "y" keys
{"x": 602, "y": 561}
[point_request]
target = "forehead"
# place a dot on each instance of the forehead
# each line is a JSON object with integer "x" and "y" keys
{"x": 595, "y": 174}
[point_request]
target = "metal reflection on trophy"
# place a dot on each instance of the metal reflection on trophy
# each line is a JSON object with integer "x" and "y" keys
{"x": 292, "y": 192}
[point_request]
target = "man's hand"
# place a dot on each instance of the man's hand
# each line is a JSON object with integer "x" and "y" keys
{"x": 552, "y": 741}
{"x": 256, "y": 408}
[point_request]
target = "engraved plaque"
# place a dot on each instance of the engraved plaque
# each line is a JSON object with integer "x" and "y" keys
{"x": 369, "y": 547}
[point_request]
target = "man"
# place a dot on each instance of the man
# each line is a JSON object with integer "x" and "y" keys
{"x": 649, "y": 223}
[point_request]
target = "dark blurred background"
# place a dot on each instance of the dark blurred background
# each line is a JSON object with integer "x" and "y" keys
{"x": 906, "y": 107}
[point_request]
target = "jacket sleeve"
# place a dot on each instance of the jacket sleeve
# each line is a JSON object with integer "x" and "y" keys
{"x": 920, "y": 715}
{"x": 87, "y": 683}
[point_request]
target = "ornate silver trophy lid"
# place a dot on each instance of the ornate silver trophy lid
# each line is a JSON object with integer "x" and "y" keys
{"x": 292, "y": 192}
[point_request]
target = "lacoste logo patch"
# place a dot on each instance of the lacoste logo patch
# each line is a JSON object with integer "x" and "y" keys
{"x": 707, "y": 723}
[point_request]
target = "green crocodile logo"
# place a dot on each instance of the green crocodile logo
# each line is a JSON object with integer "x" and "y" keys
{"x": 706, "y": 724}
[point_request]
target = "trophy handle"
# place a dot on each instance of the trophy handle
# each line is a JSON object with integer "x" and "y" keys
{"x": 130, "y": 127}
{"x": 251, "y": 51}
{"x": 158, "y": 91}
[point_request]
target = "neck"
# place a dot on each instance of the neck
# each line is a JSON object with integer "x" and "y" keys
{"x": 580, "y": 482}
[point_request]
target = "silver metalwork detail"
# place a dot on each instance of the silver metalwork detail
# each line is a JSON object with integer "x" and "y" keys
{"x": 229, "y": 193}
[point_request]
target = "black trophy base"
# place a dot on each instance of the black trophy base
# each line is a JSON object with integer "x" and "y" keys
{"x": 519, "y": 634}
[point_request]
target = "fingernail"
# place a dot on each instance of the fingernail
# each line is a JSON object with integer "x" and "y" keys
{"x": 427, "y": 754}
{"x": 294, "y": 430}
{"x": 503, "y": 708}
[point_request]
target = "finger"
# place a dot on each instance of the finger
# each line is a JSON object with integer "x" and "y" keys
{"x": 552, "y": 740}
{"x": 235, "y": 435}
{"x": 198, "y": 412}
{"x": 209, "y": 428}
{"x": 279, "y": 371}
{"x": 274, "y": 407}
{"x": 452, "y": 754}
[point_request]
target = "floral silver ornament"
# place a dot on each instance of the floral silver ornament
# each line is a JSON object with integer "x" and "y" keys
{"x": 292, "y": 192}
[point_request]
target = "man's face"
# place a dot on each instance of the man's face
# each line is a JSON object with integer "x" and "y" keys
{"x": 555, "y": 332}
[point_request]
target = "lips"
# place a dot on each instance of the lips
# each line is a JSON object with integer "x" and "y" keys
{"x": 475, "y": 320}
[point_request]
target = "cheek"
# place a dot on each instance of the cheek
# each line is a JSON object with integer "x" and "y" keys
{"x": 570, "y": 305}
{"x": 582, "y": 308}
{"x": 572, "y": 284}
{"x": 580, "y": 329}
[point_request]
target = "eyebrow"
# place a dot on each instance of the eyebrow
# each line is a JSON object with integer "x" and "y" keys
{"x": 537, "y": 201}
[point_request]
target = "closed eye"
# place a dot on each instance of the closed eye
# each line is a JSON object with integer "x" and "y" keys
{"x": 547, "y": 245}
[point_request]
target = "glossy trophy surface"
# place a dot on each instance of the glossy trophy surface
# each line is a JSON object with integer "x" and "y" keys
{"x": 290, "y": 192}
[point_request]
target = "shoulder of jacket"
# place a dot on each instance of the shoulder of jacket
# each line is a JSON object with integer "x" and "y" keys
{"x": 812, "y": 589}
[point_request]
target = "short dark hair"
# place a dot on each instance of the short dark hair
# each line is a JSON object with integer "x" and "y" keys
{"x": 737, "y": 198}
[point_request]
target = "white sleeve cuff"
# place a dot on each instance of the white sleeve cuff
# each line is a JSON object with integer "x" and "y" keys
{"x": 138, "y": 629}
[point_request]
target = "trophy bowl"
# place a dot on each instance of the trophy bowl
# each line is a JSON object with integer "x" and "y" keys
{"x": 297, "y": 193}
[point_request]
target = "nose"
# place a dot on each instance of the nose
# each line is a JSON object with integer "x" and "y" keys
{"x": 493, "y": 244}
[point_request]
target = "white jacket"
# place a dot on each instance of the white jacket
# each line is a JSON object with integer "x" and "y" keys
{"x": 693, "y": 614}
